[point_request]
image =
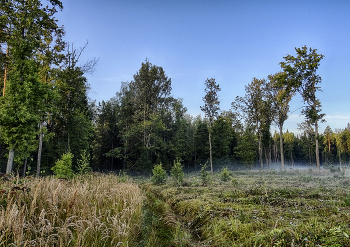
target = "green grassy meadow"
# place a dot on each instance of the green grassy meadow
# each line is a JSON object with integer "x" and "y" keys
{"x": 258, "y": 208}
{"x": 242, "y": 208}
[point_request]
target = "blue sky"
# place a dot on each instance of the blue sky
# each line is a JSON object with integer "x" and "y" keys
{"x": 231, "y": 41}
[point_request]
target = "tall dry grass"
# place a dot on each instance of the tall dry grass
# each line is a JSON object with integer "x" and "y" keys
{"x": 91, "y": 210}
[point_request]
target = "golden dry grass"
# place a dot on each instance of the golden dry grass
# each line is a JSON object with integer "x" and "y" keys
{"x": 92, "y": 210}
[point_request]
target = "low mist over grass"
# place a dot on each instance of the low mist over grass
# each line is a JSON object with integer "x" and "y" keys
{"x": 259, "y": 208}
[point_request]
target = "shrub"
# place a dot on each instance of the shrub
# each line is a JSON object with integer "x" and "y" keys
{"x": 234, "y": 181}
{"x": 176, "y": 173}
{"x": 346, "y": 200}
{"x": 84, "y": 163}
{"x": 123, "y": 176}
{"x": 159, "y": 175}
{"x": 204, "y": 174}
{"x": 225, "y": 174}
{"x": 63, "y": 167}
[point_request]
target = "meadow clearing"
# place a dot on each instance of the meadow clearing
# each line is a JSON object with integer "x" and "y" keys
{"x": 241, "y": 208}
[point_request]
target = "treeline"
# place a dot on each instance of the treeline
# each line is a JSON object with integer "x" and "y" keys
{"x": 145, "y": 125}
{"x": 45, "y": 112}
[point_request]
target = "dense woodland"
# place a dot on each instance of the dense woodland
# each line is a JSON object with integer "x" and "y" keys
{"x": 45, "y": 111}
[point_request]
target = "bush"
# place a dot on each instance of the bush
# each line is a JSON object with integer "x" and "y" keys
{"x": 204, "y": 174}
{"x": 346, "y": 200}
{"x": 225, "y": 174}
{"x": 159, "y": 175}
{"x": 176, "y": 173}
{"x": 84, "y": 163}
{"x": 234, "y": 181}
{"x": 63, "y": 167}
{"x": 123, "y": 176}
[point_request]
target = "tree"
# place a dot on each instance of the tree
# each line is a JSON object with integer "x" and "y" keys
{"x": 289, "y": 141}
{"x": 148, "y": 120}
{"x": 71, "y": 120}
{"x": 281, "y": 99}
{"x": 222, "y": 137}
{"x": 211, "y": 108}
{"x": 246, "y": 148}
{"x": 26, "y": 26}
{"x": 329, "y": 140}
{"x": 254, "y": 110}
{"x": 302, "y": 78}
{"x": 201, "y": 142}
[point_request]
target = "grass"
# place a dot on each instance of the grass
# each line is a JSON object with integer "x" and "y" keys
{"x": 263, "y": 208}
{"x": 247, "y": 208}
{"x": 91, "y": 210}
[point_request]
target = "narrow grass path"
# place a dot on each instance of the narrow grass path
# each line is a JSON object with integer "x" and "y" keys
{"x": 161, "y": 226}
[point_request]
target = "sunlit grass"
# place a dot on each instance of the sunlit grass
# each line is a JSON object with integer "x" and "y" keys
{"x": 91, "y": 210}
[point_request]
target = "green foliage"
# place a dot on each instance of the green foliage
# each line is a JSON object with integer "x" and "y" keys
{"x": 30, "y": 30}
{"x": 177, "y": 173}
{"x": 123, "y": 176}
{"x": 204, "y": 174}
{"x": 159, "y": 175}
{"x": 84, "y": 163}
{"x": 234, "y": 181}
{"x": 63, "y": 167}
{"x": 223, "y": 135}
{"x": 225, "y": 174}
{"x": 246, "y": 149}
{"x": 347, "y": 200}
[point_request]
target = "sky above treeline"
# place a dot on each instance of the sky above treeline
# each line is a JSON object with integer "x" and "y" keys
{"x": 231, "y": 41}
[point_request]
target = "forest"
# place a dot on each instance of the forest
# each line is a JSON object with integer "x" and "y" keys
{"x": 46, "y": 113}
{"x": 75, "y": 172}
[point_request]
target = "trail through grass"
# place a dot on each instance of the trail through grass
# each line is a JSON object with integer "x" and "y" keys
{"x": 263, "y": 208}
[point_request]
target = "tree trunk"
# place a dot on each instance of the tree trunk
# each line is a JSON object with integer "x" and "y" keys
{"x": 266, "y": 157}
{"x": 260, "y": 154}
{"x": 5, "y": 75}
{"x": 317, "y": 151}
{"x": 281, "y": 149}
{"x": 210, "y": 154}
{"x": 10, "y": 161}
{"x": 41, "y": 134}
{"x": 309, "y": 152}
{"x": 25, "y": 167}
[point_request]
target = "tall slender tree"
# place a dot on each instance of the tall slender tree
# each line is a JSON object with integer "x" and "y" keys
{"x": 281, "y": 99}
{"x": 302, "y": 78}
{"x": 211, "y": 109}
